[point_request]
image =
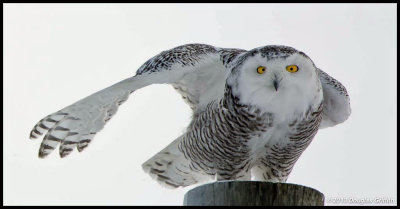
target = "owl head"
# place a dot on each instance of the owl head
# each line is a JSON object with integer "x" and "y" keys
{"x": 275, "y": 77}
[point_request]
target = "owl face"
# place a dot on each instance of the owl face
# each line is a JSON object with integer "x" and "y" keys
{"x": 276, "y": 80}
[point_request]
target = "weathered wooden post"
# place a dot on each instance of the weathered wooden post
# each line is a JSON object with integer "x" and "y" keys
{"x": 252, "y": 193}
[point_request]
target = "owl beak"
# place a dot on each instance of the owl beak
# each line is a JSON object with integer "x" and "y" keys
{"x": 276, "y": 84}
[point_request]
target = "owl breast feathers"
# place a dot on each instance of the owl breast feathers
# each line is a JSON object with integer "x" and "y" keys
{"x": 254, "y": 113}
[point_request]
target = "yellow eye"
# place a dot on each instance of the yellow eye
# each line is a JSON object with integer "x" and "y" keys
{"x": 292, "y": 68}
{"x": 261, "y": 70}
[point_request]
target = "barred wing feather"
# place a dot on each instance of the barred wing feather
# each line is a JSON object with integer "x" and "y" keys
{"x": 77, "y": 124}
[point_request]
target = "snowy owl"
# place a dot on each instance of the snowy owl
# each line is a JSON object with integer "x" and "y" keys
{"x": 254, "y": 113}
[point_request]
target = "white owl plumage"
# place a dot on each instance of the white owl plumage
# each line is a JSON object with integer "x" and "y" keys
{"x": 245, "y": 122}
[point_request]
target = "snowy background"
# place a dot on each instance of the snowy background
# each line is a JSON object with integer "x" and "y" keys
{"x": 56, "y": 54}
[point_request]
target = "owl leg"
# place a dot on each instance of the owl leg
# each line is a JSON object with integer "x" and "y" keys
{"x": 264, "y": 173}
{"x": 240, "y": 175}
{"x": 243, "y": 177}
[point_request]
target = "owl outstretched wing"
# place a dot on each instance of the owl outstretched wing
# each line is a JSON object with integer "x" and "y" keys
{"x": 336, "y": 108}
{"x": 186, "y": 67}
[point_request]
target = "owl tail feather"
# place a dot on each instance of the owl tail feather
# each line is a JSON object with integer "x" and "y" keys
{"x": 171, "y": 169}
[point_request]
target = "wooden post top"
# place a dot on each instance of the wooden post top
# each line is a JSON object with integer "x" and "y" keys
{"x": 252, "y": 193}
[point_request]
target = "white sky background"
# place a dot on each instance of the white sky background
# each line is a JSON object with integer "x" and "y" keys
{"x": 56, "y": 54}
